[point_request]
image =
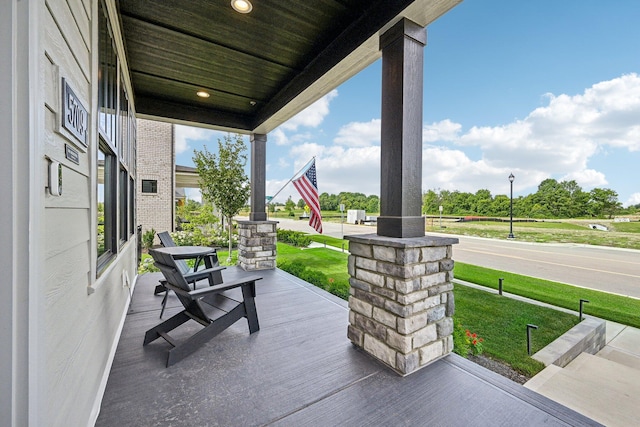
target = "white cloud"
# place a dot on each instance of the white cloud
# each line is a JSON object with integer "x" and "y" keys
{"x": 279, "y": 137}
{"x": 313, "y": 115}
{"x": 559, "y": 139}
{"x": 633, "y": 200}
{"x": 587, "y": 178}
{"x": 359, "y": 134}
{"x": 444, "y": 130}
{"x": 184, "y": 134}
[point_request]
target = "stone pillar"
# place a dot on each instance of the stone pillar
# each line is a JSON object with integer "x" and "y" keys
{"x": 257, "y": 245}
{"x": 258, "y": 177}
{"x": 401, "y": 136}
{"x": 401, "y": 299}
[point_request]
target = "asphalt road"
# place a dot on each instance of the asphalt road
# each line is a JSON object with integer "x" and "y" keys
{"x": 595, "y": 267}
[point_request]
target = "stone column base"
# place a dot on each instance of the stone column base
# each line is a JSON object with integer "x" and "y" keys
{"x": 257, "y": 245}
{"x": 401, "y": 299}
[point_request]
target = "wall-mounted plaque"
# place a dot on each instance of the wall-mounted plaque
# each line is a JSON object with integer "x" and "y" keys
{"x": 75, "y": 117}
{"x": 71, "y": 154}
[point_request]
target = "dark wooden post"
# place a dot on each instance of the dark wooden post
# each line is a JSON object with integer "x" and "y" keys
{"x": 258, "y": 177}
{"x": 401, "y": 139}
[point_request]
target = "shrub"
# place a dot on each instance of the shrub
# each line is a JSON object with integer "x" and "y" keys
{"x": 315, "y": 277}
{"x": 339, "y": 288}
{"x": 204, "y": 236}
{"x": 295, "y": 238}
{"x": 296, "y": 267}
{"x": 461, "y": 344}
{"x": 146, "y": 265}
{"x": 148, "y": 237}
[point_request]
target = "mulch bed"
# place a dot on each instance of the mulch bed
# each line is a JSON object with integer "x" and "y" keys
{"x": 499, "y": 368}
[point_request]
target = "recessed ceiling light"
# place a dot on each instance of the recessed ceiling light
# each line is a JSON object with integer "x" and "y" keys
{"x": 203, "y": 94}
{"x": 252, "y": 103}
{"x": 241, "y": 6}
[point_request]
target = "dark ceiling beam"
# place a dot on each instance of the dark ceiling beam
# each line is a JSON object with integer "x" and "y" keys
{"x": 151, "y": 106}
{"x": 370, "y": 22}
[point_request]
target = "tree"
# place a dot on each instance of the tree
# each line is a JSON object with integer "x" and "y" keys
{"x": 223, "y": 181}
{"x": 604, "y": 201}
{"x": 301, "y": 204}
{"x": 290, "y": 205}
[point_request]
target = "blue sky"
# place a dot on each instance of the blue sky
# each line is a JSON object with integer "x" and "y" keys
{"x": 541, "y": 89}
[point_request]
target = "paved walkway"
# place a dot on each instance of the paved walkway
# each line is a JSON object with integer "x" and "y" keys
{"x": 604, "y": 387}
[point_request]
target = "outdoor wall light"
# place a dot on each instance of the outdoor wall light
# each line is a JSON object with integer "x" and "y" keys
{"x": 241, "y": 6}
{"x": 203, "y": 94}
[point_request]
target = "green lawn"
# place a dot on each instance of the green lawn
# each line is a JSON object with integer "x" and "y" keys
{"x": 502, "y": 323}
{"x": 330, "y": 262}
{"x": 608, "y": 306}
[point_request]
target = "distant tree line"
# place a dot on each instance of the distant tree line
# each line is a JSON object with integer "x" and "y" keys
{"x": 564, "y": 199}
{"x": 331, "y": 202}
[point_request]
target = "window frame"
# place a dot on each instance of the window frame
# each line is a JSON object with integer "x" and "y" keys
{"x": 154, "y": 186}
{"x": 117, "y": 145}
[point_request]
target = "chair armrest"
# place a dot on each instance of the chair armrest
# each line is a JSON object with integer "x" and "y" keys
{"x": 201, "y": 274}
{"x": 213, "y": 289}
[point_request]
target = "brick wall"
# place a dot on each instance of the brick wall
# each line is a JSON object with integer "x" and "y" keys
{"x": 156, "y": 161}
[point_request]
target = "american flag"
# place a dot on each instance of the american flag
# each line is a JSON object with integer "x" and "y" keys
{"x": 307, "y": 186}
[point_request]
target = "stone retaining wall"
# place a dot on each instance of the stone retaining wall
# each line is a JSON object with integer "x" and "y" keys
{"x": 588, "y": 336}
{"x": 401, "y": 302}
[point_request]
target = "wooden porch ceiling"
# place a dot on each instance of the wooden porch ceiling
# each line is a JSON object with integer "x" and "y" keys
{"x": 260, "y": 68}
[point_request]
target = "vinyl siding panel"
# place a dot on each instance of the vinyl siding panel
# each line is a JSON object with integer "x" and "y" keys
{"x": 82, "y": 312}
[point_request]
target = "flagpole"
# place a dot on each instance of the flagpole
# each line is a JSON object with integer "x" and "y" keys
{"x": 291, "y": 179}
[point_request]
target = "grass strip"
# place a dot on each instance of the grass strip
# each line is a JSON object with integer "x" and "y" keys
{"x": 617, "y": 308}
{"x": 330, "y": 241}
{"x": 502, "y": 322}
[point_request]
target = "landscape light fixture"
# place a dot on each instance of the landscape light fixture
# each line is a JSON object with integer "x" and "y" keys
{"x": 511, "y": 236}
{"x": 241, "y": 6}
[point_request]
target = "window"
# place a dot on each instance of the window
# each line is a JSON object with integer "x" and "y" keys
{"x": 124, "y": 203}
{"x": 132, "y": 206}
{"x": 149, "y": 186}
{"x": 106, "y": 203}
{"x": 115, "y": 151}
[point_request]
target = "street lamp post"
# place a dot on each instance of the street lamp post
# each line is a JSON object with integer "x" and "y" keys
{"x": 511, "y": 236}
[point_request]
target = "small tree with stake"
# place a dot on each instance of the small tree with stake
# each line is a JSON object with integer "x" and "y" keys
{"x": 223, "y": 181}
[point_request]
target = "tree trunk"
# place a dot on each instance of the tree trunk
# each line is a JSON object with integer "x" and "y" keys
{"x": 229, "y": 223}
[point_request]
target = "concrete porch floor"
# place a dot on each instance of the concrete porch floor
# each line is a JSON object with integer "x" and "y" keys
{"x": 299, "y": 369}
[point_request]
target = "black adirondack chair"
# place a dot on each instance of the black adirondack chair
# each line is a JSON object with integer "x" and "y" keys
{"x": 167, "y": 242}
{"x": 197, "y": 303}
{"x": 191, "y": 275}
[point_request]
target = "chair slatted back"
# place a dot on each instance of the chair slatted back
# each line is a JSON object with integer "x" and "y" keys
{"x": 172, "y": 274}
{"x": 167, "y": 242}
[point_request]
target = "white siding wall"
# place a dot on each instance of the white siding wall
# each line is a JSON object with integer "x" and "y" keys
{"x": 82, "y": 313}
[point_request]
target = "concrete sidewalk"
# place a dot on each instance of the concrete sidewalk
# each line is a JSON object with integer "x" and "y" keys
{"x": 605, "y": 386}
